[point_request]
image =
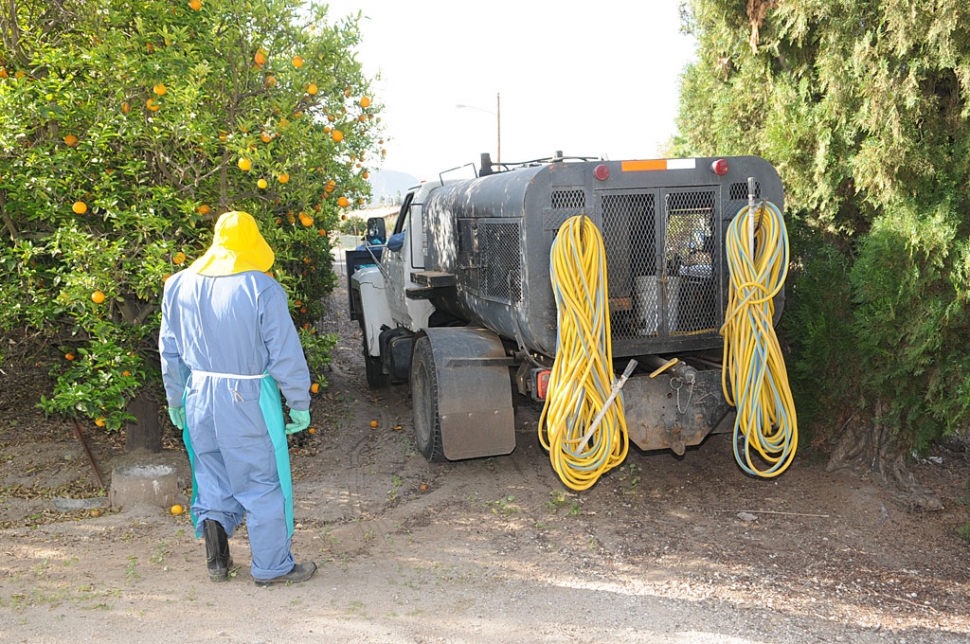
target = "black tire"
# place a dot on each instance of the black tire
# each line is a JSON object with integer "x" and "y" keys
{"x": 424, "y": 402}
{"x": 376, "y": 378}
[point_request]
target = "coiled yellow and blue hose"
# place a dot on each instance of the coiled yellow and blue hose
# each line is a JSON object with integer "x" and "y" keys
{"x": 581, "y": 382}
{"x": 754, "y": 377}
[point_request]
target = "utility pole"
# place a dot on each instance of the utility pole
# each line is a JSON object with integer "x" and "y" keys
{"x": 498, "y": 116}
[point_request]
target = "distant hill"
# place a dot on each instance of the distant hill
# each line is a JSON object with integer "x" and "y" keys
{"x": 389, "y": 186}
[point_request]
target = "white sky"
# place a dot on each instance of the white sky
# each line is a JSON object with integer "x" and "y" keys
{"x": 590, "y": 78}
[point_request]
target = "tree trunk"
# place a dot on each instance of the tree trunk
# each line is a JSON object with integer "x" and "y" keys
{"x": 145, "y": 432}
{"x": 872, "y": 452}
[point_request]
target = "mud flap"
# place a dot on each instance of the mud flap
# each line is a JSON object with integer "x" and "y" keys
{"x": 667, "y": 413}
{"x": 474, "y": 392}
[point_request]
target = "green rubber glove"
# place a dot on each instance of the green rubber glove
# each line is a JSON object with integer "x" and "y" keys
{"x": 177, "y": 414}
{"x": 301, "y": 420}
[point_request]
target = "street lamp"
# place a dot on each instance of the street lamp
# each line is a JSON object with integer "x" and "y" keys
{"x": 498, "y": 117}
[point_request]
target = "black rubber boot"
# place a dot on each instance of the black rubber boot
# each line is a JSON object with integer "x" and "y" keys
{"x": 300, "y": 572}
{"x": 217, "y": 558}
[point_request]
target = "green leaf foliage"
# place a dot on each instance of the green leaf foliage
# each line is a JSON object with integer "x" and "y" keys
{"x": 126, "y": 129}
{"x": 863, "y": 109}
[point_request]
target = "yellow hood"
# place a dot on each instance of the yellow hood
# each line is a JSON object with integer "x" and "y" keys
{"x": 236, "y": 247}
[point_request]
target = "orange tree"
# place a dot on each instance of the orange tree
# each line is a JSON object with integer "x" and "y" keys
{"x": 126, "y": 128}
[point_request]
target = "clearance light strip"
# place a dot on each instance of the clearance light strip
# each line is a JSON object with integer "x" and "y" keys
{"x": 658, "y": 164}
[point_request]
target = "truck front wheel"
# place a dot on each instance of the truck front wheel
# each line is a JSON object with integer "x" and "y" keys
{"x": 424, "y": 401}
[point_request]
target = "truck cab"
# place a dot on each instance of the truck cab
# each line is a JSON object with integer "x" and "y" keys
{"x": 380, "y": 293}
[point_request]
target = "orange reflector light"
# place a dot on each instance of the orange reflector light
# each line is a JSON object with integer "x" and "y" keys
{"x": 658, "y": 164}
{"x": 649, "y": 164}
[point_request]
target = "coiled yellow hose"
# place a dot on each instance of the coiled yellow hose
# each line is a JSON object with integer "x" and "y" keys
{"x": 582, "y": 375}
{"x": 754, "y": 377}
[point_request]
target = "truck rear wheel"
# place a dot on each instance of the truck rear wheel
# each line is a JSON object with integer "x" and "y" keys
{"x": 376, "y": 378}
{"x": 424, "y": 401}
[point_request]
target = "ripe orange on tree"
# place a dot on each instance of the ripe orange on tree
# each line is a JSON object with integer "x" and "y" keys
{"x": 365, "y": 101}
{"x": 79, "y": 207}
{"x": 311, "y": 89}
{"x": 70, "y": 140}
{"x": 306, "y": 219}
{"x": 343, "y": 202}
{"x": 283, "y": 178}
{"x": 260, "y": 57}
{"x": 337, "y": 135}
{"x": 245, "y": 164}
{"x": 69, "y": 357}
{"x": 203, "y": 209}
{"x": 195, "y": 5}
{"x": 97, "y": 297}
{"x": 297, "y": 62}
{"x": 160, "y": 89}
{"x": 261, "y": 184}
{"x": 179, "y": 258}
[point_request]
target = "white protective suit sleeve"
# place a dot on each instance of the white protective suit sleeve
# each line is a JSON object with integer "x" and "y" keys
{"x": 287, "y": 363}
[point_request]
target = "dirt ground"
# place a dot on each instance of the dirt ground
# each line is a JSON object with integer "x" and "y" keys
{"x": 663, "y": 549}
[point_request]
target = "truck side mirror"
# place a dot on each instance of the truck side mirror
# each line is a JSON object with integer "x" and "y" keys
{"x": 376, "y": 231}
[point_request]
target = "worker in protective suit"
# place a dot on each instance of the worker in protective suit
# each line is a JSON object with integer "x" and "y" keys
{"x": 228, "y": 348}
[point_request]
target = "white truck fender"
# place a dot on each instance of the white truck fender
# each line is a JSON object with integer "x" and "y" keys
{"x": 374, "y": 313}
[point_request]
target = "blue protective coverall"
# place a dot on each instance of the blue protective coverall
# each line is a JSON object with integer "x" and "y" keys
{"x": 228, "y": 348}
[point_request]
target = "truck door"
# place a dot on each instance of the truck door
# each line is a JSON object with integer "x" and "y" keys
{"x": 403, "y": 254}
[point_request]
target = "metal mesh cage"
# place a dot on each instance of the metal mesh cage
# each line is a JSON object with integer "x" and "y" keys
{"x": 501, "y": 253}
{"x": 663, "y": 270}
{"x": 564, "y": 199}
{"x": 630, "y": 236}
{"x": 690, "y": 271}
{"x": 739, "y": 191}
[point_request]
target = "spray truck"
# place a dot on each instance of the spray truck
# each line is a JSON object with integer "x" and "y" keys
{"x": 461, "y": 302}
